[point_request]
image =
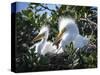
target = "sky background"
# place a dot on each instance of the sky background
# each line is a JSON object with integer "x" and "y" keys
{"x": 23, "y": 5}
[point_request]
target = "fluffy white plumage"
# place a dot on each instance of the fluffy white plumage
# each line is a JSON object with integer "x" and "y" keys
{"x": 80, "y": 41}
{"x": 69, "y": 24}
{"x": 69, "y": 32}
{"x": 45, "y": 47}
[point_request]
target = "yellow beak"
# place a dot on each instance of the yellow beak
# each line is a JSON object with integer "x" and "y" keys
{"x": 59, "y": 36}
{"x": 38, "y": 37}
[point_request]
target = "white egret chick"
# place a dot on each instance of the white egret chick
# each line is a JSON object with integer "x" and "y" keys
{"x": 45, "y": 47}
{"x": 69, "y": 32}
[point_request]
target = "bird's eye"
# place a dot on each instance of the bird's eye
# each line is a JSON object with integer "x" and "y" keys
{"x": 64, "y": 30}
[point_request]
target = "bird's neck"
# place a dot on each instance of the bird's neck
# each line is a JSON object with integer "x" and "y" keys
{"x": 73, "y": 30}
{"x": 43, "y": 40}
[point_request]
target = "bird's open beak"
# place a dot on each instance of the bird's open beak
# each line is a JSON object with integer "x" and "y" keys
{"x": 59, "y": 36}
{"x": 38, "y": 37}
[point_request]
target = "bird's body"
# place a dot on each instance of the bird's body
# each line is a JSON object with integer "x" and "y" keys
{"x": 39, "y": 47}
{"x": 69, "y": 32}
{"x": 45, "y": 47}
{"x": 80, "y": 41}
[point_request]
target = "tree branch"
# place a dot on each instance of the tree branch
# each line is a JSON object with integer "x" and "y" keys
{"x": 86, "y": 19}
{"x": 47, "y": 8}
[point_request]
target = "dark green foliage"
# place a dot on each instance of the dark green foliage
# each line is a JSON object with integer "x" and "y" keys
{"x": 28, "y": 23}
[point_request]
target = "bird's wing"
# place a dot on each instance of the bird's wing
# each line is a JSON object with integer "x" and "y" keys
{"x": 80, "y": 41}
{"x": 49, "y": 48}
{"x": 37, "y": 47}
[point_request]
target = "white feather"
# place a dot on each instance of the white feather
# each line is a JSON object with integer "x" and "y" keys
{"x": 49, "y": 48}
{"x": 71, "y": 33}
{"x": 46, "y": 47}
{"x": 69, "y": 24}
{"x": 80, "y": 41}
{"x": 71, "y": 30}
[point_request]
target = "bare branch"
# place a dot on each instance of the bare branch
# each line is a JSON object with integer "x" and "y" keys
{"x": 47, "y": 8}
{"x": 88, "y": 20}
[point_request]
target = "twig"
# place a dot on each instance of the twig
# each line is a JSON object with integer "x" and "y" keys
{"x": 46, "y": 8}
{"x": 86, "y": 19}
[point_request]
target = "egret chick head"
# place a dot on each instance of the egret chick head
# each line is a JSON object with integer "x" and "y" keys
{"x": 43, "y": 34}
{"x": 67, "y": 24}
{"x": 45, "y": 31}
